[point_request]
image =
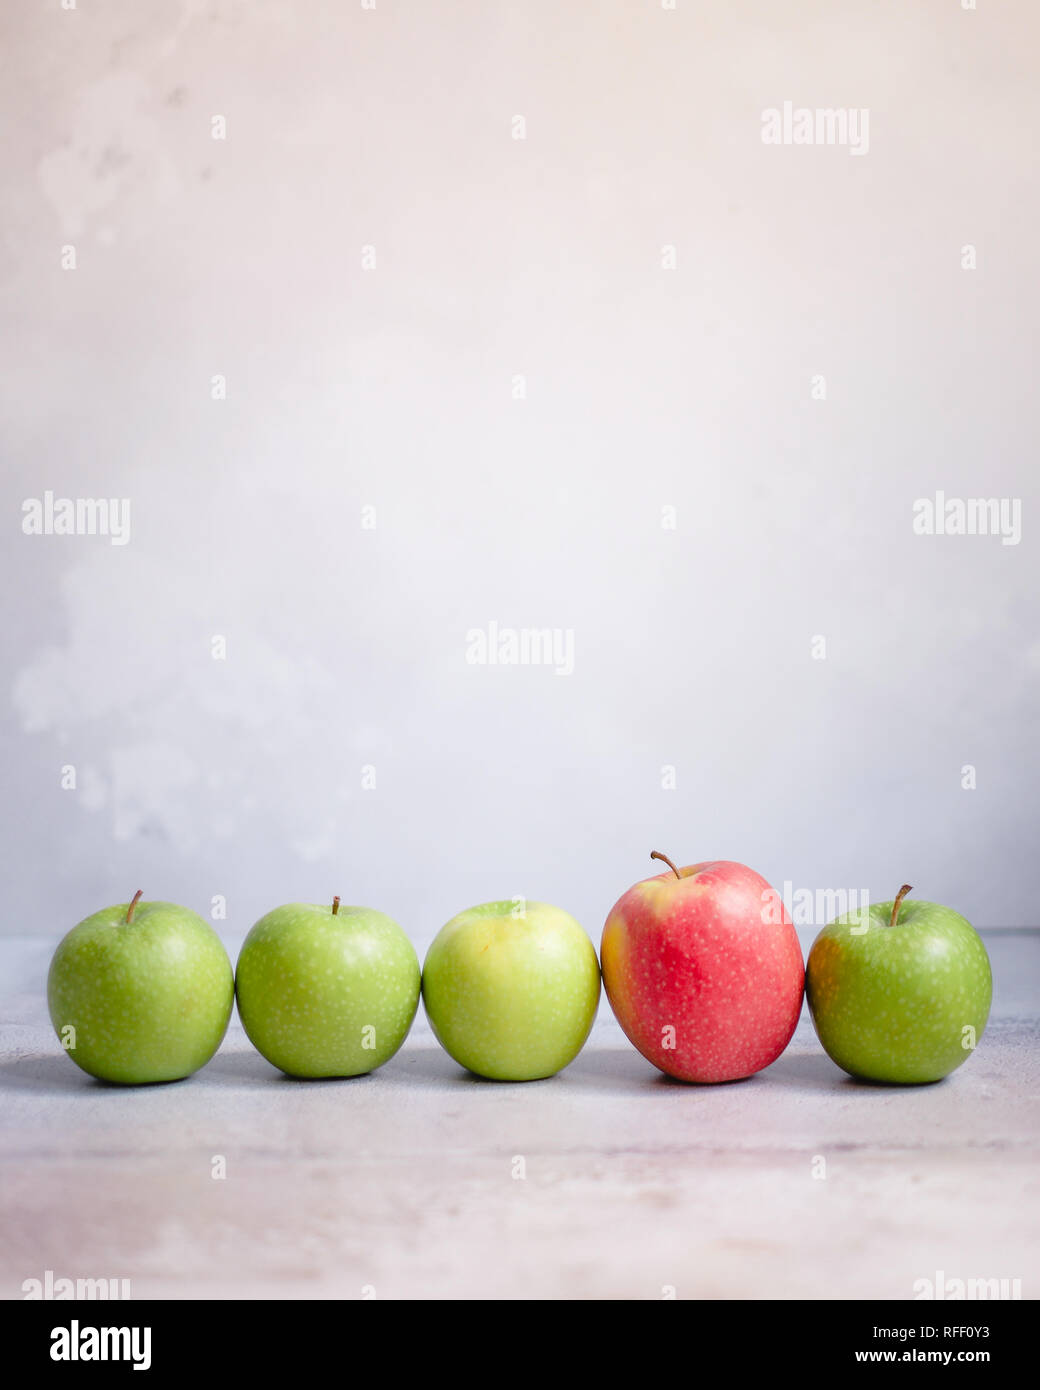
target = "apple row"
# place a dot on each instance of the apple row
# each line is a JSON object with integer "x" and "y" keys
{"x": 701, "y": 965}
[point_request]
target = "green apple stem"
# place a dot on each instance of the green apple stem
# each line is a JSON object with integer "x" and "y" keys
{"x": 130, "y": 909}
{"x": 335, "y": 906}
{"x": 898, "y": 902}
{"x": 665, "y": 860}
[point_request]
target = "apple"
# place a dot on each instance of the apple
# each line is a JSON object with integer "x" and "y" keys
{"x": 141, "y": 992}
{"x": 511, "y": 989}
{"x": 327, "y": 991}
{"x": 899, "y": 991}
{"x": 703, "y": 969}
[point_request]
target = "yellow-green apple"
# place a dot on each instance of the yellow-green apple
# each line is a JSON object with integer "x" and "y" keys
{"x": 703, "y": 969}
{"x": 141, "y": 992}
{"x": 899, "y": 991}
{"x": 511, "y": 989}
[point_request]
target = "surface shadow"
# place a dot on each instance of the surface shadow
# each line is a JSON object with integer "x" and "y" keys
{"x": 433, "y": 1066}
{"x": 245, "y": 1065}
{"x": 46, "y": 1072}
{"x": 619, "y": 1068}
{"x": 814, "y": 1071}
{"x": 863, "y": 1083}
{"x": 595, "y": 1068}
{"x": 663, "y": 1079}
{"x": 805, "y": 1071}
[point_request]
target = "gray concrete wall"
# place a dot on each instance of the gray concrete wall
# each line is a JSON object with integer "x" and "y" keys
{"x": 476, "y": 384}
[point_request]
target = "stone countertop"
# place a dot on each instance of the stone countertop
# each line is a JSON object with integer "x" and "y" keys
{"x": 607, "y": 1181}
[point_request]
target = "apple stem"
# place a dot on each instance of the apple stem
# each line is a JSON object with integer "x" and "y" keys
{"x": 896, "y": 905}
{"x": 335, "y": 906}
{"x": 664, "y": 859}
{"x": 130, "y": 909}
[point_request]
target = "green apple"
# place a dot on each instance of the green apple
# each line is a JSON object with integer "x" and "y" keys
{"x": 899, "y": 991}
{"x": 141, "y": 992}
{"x": 327, "y": 991}
{"x": 511, "y": 989}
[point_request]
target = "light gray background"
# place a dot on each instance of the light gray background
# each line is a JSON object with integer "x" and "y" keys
{"x": 392, "y": 388}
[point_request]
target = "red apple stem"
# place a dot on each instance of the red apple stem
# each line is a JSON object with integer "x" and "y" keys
{"x": 898, "y": 902}
{"x": 665, "y": 860}
{"x": 335, "y": 906}
{"x": 130, "y": 909}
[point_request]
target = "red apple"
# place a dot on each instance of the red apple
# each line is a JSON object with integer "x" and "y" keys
{"x": 703, "y": 969}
